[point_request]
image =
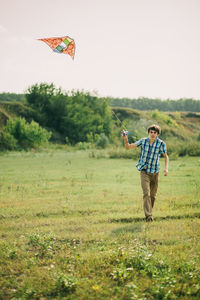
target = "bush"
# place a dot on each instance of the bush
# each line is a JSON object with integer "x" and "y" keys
{"x": 7, "y": 141}
{"x": 20, "y": 134}
{"x": 102, "y": 141}
{"x": 86, "y": 117}
{"x": 160, "y": 116}
{"x": 83, "y": 146}
{"x": 182, "y": 149}
{"x": 192, "y": 149}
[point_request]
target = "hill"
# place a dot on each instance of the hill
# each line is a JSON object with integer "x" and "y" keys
{"x": 15, "y": 109}
{"x": 181, "y": 130}
{"x": 182, "y": 125}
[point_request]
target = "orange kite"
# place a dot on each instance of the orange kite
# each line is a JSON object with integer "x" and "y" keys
{"x": 63, "y": 44}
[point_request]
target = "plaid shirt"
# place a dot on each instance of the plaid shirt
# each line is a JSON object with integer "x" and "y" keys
{"x": 150, "y": 155}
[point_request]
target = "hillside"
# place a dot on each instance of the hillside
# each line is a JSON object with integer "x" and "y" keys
{"x": 176, "y": 126}
{"x": 14, "y": 109}
{"x": 4, "y": 116}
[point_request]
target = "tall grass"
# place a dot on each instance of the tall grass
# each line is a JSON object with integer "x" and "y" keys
{"x": 72, "y": 227}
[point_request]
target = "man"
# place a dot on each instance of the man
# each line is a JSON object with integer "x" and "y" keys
{"x": 149, "y": 165}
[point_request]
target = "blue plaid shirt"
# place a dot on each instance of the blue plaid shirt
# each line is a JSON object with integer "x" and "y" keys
{"x": 150, "y": 155}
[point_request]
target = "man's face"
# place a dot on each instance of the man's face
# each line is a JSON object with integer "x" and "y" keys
{"x": 152, "y": 134}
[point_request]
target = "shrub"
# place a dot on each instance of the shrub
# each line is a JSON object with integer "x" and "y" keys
{"x": 182, "y": 149}
{"x": 83, "y": 145}
{"x": 102, "y": 141}
{"x": 19, "y": 133}
{"x": 7, "y": 141}
{"x": 159, "y": 116}
{"x": 192, "y": 149}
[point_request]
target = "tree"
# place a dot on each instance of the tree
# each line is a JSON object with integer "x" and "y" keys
{"x": 49, "y": 103}
{"x": 87, "y": 117}
{"x": 79, "y": 116}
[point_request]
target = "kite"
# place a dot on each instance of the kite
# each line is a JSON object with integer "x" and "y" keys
{"x": 63, "y": 44}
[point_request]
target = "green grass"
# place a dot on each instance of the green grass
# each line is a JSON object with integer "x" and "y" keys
{"x": 72, "y": 227}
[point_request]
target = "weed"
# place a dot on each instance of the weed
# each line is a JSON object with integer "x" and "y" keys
{"x": 8, "y": 251}
{"x": 139, "y": 260}
{"x": 43, "y": 245}
{"x": 65, "y": 284}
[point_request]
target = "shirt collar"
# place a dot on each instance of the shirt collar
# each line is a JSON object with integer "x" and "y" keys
{"x": 153, "y": 142}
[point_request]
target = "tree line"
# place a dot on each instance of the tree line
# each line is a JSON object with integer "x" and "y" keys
{"x": 162, "y": 105}
{"x": 184, "y": 104}
{"x": 12, "y": 97}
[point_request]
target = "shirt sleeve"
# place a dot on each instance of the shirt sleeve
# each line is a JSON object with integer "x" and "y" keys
{"x": 163, "y": 148}
{"x": 139, "y": 143}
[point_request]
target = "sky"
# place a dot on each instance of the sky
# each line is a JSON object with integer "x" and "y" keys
{"x": 124, "y": 48}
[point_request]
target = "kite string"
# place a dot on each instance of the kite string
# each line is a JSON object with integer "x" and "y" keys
{"x": 118, "y": 119}
{"x": 124, "y": 129}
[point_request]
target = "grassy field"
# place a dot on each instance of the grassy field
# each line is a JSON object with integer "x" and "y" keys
{"x": 72, "y": 227}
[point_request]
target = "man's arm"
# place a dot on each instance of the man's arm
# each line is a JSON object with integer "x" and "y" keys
{"x": 127, "y": 145}
{"x": 166, "y": 164}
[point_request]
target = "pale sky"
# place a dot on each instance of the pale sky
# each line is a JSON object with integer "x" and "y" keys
{"x": 124, "y": 48}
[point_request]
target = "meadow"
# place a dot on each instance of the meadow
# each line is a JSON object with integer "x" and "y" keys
{"x": 72, "y": 227}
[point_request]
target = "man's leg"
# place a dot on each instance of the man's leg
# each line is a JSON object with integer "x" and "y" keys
{"x": 153, "y": 188}
{"x": 145, "y": 183}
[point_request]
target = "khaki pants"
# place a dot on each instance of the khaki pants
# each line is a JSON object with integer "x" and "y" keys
{"x": 149, "y": 183}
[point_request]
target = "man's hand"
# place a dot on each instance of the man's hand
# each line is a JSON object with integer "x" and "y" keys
{"x": 166, "y": 164}
{"x": 124, "y": 133}
{"x": 165, "y": 172}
